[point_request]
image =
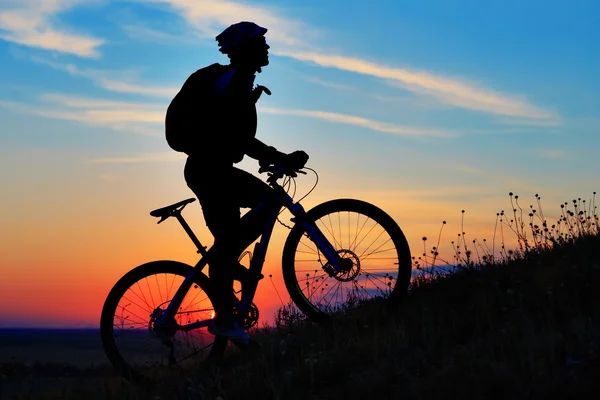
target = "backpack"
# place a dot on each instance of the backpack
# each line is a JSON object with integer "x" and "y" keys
{"x": 190, "y": 111}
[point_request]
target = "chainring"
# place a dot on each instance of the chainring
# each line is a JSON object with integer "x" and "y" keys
{"x": 251, "y": 319}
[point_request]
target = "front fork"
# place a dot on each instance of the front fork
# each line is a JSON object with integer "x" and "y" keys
{"x": 317, "y": 237}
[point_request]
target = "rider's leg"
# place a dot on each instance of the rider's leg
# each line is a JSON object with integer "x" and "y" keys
{"x": 221, "y": 194}
{"x": 251, "y": 191}
{"x": 232, "y": 234}
{"x": 222, "y": 216}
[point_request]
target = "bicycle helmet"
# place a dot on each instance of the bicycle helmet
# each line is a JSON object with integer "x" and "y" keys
{"x": 238, "y": 34}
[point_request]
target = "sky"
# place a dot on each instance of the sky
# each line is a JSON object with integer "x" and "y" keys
{"x": 423, "y": 108}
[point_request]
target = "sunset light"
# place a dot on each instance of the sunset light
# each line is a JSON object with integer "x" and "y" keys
{"x": 423, "y": 109}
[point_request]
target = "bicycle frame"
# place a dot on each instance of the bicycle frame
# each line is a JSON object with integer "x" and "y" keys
{"x": 280, "y": 198}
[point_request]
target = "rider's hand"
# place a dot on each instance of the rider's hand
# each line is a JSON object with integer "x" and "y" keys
{"x": 295, "y": 160}
{"x": 258, "y": 90}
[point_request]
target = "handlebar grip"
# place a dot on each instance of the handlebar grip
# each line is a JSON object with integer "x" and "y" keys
{"x": 278, "y": 169}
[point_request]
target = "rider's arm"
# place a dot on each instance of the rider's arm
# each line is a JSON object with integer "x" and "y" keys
{"x": 234, "y": 92}
{"x": 260, "y": 151}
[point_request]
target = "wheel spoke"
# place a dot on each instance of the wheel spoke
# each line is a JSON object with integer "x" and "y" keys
{"x": 374, "y": 240}
{"x": 373, "y": 249}
{"x": 142, "y": 347}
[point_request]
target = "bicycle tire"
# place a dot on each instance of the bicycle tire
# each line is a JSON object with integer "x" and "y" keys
{"x": 293, "y": 267}
{"x": 115, "y": 355}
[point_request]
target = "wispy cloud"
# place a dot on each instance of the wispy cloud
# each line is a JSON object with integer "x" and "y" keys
{"x": 153, "y": 157}
{"x": 144, "y": 33}
{"x": 364, "y": 122}
{"x": 148, "y": 118}
{"x": 127, "y": 117}
{"x": 79, "y": 102}
{"x": 96, "y": 111}
{"x": 141, "y": 89}
{"x": 32, "y": 23}
{"x": 543, "y": 123}
{"x": 210, "y": 17}
{"x": 552, "y": 153}
{"x": 469, "y": 169}
{"x": 108, "y": 177}
{"x": 290, "y": 38}
{"x": 448, "y": 91}
{"x": 107, "y": 80}
{"x": 411, "y": 100}
{"x": 327, "y": 84}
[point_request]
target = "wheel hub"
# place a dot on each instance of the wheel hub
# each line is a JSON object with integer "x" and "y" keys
{"x": 160, "y": 329}
{"x": 350, "y": 266}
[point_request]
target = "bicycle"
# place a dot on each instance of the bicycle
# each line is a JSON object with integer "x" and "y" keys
{"x": 339, "y": 236}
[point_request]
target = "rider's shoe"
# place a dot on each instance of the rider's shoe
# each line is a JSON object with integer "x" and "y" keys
{"x": 232, "y": 331}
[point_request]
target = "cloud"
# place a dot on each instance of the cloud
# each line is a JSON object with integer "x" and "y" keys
{"x": 210, "y": 17}
{"x": 108, "y": 177}
{"x": 107, "y": 80}
{"x": 411, "y": 100}
{"x": 292, "y": 39}
{"x": 95, "y": 111}
{"x": 91, "y": 103}
{"x": 154, "y": 157}
{"x": 144, "y": 33}
{"x": 148, "y": 118}
{"x": 327, "y": 84}
{"x": 31, "y": 23}
{"x": 552, "y": 153}
{"x": 364, "y": 122}
{"x": 131, "y": 88}
{"x": 469, "y": 169}
{"x": 136, "y": 118}
{"x": 448, "y": 91}
{"x": 543, "y": 123}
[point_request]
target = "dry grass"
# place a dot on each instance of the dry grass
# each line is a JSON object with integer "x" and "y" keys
{"x": 519, "y": 324}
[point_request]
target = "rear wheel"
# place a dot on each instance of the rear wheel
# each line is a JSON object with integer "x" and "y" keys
{"x": 376, "y": 259}
{"x": 143, "y": 351}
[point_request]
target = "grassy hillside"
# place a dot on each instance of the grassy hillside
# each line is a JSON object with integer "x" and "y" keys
{"x": 521, "y": 325}
{"x": 527, "y": 328}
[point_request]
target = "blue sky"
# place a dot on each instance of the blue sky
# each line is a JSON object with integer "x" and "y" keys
{"x": 424, "y": 108}
{"x": 441, "y": 93}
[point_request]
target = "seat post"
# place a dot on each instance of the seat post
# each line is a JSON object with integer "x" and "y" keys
{"x": 188, "y": 230}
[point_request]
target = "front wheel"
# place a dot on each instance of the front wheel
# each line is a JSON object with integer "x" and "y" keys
{"x": 375, "y": 254}
{"x": 143, "y": 351}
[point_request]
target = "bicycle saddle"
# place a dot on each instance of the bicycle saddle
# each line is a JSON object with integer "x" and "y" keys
{"x": 167, "y": 211}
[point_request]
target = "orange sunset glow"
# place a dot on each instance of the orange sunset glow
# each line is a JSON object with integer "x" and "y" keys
{"x": 421, "y": 118}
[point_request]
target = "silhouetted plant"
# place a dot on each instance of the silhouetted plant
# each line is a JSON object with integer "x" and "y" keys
{"x": 533, "y": 233}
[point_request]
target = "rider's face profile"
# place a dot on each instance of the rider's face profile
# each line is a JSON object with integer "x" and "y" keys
{"x": 255, "y": 52}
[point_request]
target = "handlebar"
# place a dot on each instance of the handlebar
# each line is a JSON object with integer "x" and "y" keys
{"x": 277, "y": 172}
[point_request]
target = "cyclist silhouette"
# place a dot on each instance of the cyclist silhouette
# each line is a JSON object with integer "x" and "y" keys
{"x": 221, "y": 188}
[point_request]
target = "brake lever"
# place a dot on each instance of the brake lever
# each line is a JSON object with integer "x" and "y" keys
{"x": 293, "y": 174}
